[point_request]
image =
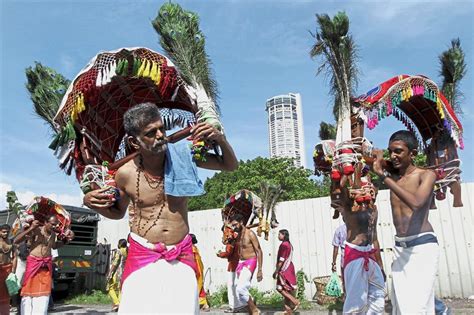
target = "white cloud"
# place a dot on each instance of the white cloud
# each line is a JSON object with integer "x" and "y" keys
{"x": 403, "y": 21}
{"x": 24, "y": 197}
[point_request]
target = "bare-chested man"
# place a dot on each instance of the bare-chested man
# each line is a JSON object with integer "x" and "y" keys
{"x": 416, "y": 252}
{"x": 159, "y": 275}
{"x": 37, "y": 280}
{"x": 7, "y": 266}
{"x": 364, "y": 278}
{"x": 251, "y": 256}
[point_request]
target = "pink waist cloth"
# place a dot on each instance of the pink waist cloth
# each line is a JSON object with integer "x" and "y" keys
{"x": 250, "y": 263}
{"x": 34, "y": 264}
{"x": 351, "y": 254}
{"x": 140, "y": 256}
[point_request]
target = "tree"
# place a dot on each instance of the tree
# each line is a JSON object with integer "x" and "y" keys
{"x": 338, "y": 53}
{"x": 47, "y": 88}
{"x": 13, "y": 204}
{"x": 453, "y": 69}
{"x": 294, "y": 181}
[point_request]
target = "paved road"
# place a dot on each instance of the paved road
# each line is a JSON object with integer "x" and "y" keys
{"x": 459, "y": 306}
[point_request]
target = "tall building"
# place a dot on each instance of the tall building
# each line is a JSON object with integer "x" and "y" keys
{"x": 285, "y": 126}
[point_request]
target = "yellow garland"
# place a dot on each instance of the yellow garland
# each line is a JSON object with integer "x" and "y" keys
{"x": 79, "y": 106}
{"x": 142, "y": 68}
{"x": 156, "y": 75}
{"x": 440, "y": 108}
{"x": 146, "y": 72}
{"x": 153, "y": 71}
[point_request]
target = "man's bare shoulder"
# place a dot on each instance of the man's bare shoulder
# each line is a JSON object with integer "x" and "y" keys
{"x": 252, "y": 234}
{"x": 124, "y": 172}
{"x": 427, "y": 174}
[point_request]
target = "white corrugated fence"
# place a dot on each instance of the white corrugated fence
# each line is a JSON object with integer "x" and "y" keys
{"x": 311, "y": 230}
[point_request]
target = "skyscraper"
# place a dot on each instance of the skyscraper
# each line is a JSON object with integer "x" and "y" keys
{"x": 285, "y": 127}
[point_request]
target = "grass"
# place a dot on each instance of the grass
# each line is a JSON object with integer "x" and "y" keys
{"x": 270, "y": 299}
{"x": 92, "y": 298}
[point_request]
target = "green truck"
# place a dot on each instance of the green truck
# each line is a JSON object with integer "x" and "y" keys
{"x": 77, "y": 258}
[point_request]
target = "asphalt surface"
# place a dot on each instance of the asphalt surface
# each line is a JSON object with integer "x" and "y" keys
{"x": 458, "y": 306}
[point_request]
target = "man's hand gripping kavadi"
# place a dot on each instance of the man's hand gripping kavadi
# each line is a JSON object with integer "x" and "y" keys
{"x": 417, "y": 102}
{"x": 114, "y": 119}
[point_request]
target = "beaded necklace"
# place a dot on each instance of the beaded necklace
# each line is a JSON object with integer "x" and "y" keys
{"x": 154, "y": 183}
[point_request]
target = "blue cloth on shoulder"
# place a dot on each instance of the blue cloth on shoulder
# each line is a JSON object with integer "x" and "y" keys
{"x": 181, "y": 176}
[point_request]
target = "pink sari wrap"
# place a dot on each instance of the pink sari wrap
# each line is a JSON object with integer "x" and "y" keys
{"x": 140, "y": 256}
{"x": 250, "y": 263}
{"x": 34, "y": 264}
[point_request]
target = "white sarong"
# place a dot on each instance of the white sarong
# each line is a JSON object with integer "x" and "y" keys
{"x": 234, "y": 302}
{"x": 365, "y": 290}
{"x": 37, "y": 305}
{"x": 243, "y": 286}
{"x": 414, "y": 274}
{"x": 161, "y": 287}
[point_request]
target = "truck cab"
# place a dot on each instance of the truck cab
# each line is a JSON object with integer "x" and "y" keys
{"x": 77, "y": 257}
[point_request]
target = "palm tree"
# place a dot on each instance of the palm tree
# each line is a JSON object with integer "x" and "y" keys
{"x": 47, "y": 88}
{"x": 338, "y": 53}
{"x": 453, "y": 69}
{"x": 327, "y": 131}
{"x": 13, "y": 205}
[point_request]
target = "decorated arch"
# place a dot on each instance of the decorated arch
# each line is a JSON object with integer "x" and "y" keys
{"x": 419, "y": 104}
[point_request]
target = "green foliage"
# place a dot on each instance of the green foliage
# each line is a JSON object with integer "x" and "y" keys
{"x": 337, "y": 51}
{"x": 301, "y": 279}
{"x": 271, "y": 298}
{"x": 184, "y": 43}
{"x": 47, "y": 88}
{"x": 92, "y": 298}
{"x": 294, "y": 181}
{"x": 327, "y": 131}
{"x": 267, "y": 298}
{"x": 13, "y": 204}
{"x": 218, "y": 298}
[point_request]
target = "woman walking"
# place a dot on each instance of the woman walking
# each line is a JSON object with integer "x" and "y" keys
{"x": 285, "y": 273}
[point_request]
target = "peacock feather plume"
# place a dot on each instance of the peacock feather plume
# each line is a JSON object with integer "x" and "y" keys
{"x": 184, "y": 43}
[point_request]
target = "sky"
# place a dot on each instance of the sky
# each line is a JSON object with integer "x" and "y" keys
{"x": 259, "y": 49}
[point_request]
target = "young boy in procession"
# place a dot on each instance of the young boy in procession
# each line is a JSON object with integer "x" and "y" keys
{"x": 7, "y": 266}
{"x": 159, "y": 275}
{"x": 37, "y": 280}
{"x": 416, "y": 250}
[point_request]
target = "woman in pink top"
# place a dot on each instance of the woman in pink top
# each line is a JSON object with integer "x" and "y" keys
{"x": 285, "y": 272}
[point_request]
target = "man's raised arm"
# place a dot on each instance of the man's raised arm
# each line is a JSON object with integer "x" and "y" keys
{"x": 413, "y": 199}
